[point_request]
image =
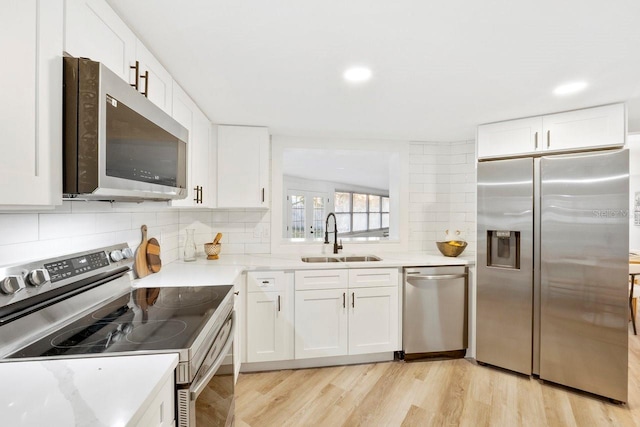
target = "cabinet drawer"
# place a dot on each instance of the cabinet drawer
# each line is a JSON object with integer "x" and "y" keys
{"x": 321, "y": 279}
{"x": 373, "y": 277}
{"x": 263, "y": 281}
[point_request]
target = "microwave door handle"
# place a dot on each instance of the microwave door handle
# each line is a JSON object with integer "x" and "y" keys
{"x": 197, "y": 388}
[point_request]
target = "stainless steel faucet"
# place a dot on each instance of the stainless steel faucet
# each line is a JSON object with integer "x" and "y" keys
{"x": 336, "y": 246}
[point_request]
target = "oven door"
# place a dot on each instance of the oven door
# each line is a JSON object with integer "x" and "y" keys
{"x": 209, "y": 400}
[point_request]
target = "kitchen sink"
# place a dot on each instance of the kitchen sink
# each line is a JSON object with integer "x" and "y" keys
{"x": 361, "y": 258}
{"x": 320, "y": 259}
{"x": 351, "y": 258}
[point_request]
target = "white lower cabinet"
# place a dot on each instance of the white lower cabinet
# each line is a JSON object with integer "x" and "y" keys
{"x": 360, "y": 315}
{"x": 321, "y": 313}
{"x": 373, "y": 320}
{"x": 321, "y": 323}
{"x": 161, "y": 411}
{"x": 269, "y": 316}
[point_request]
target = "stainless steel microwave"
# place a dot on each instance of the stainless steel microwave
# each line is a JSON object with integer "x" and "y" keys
{"x": 117, "y": 144}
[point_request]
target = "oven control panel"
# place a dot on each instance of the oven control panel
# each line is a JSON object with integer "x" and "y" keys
{"x": 71, "y": 267}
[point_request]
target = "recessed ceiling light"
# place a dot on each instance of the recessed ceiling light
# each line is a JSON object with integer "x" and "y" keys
{"x": 357, "y": 74}
{"x": 569, "y": 88}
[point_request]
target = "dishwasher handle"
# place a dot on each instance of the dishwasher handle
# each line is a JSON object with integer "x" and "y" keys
{"x": 436, "y": 276}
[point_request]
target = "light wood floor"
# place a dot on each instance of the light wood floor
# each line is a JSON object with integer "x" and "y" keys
{"x": 431, "y": 393}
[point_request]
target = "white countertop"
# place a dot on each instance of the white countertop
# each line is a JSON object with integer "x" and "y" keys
{"x": 225, "y": 270}
{"x": 94, "y": 391}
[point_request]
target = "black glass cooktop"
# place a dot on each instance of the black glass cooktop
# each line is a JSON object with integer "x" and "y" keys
{"x": 144, "y": 319}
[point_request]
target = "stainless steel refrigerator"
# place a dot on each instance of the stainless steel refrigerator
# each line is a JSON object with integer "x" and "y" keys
{"x": 552, "y": 261}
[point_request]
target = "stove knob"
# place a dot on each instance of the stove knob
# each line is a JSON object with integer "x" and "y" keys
{"x": 11, "y": 284}
{"x": 38, "y": 277}
{"x": 128, "y": 253}
{"x": 116, "y": 255}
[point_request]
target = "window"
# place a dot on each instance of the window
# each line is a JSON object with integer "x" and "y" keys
{"x": 357, "y": 212}
{"x": 305, "y": 214}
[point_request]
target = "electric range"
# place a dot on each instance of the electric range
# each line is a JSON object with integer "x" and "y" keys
{"x": 83, "y": 305}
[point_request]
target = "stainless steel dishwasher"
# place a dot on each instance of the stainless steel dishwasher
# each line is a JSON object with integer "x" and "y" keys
{"x": 435, "y": 310}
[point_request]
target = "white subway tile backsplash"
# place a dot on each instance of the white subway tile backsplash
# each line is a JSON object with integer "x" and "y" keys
{"x": 247, "y": 216}
{"x": 416, "y": 149}
{"x": 27, "y": 251}
{"x": 220, "y": 216}
{"x": 82, "y": 206}
{"x": 113, "y": 221}
{"x": 53, "y": 226}
{"x": 168, "y": 217}
{"x": 190, "y": 217}
{"x": 413, "y": 168}
{"x": 18, "y": 228}
{"x": 418, "y": 159}
{"x": 233, "y": 248}
{"x": 257, "y": 248}
{"x": 447, "y": 199}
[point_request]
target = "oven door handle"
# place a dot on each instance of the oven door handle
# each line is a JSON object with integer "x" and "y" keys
{"x": 197, "y": 388}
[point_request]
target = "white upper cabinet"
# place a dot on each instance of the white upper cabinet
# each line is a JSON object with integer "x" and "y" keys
{"x": 243, "y": 167}
{"x": 153, "y": 80}
{"x": 31, "y": 116}
{"x": 506, "y": 138}
{"x": 93, "y": 30}
{"x": 598, "y": 127}
{"x": 199, "y": 187}
{"x": 590, "y": 128}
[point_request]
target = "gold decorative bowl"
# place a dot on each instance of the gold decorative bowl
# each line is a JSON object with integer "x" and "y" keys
{"x": 212, "y": 250}
{"x": 451, "y": 248}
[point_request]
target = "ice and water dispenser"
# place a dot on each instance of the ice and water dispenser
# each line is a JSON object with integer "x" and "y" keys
{"x": 503, "y": 249}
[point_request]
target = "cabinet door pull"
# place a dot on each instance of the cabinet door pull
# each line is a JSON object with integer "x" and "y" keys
{"x": 536, "y": 140}
{"x": 278, "y": 302}
{"x": 137, "y": 73}
{"x": 198, "y": 191}
{"x": 344, "y": 302}
{"x": 353, "y": 300}
{"x": 263, "y": 195}
{"x": 548, "y": 138}
{"x": 146, "y": 84}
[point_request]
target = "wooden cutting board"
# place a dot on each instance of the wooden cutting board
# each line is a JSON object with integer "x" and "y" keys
{"x": 140, "y": 265}
{"x": 153, "y": 255}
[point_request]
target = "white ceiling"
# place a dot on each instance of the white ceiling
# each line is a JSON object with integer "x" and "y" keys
{"x": 440, "y": 68}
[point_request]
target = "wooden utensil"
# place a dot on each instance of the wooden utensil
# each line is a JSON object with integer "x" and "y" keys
{"x": 140, "y": 266}
{"x": 217, "y": 239}
{"x": 153, "y": 255}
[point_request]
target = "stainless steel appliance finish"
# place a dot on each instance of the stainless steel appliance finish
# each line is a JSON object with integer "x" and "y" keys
{"x": 562, "y": 313}
{"x": 210, "y": 399}
{"x": 117, "y": 144}
{"x": 504, "y": 295}
{"x": 584, "y": 277}
{"x": 435, "y": 309}
{"x": 87, "y": 308}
